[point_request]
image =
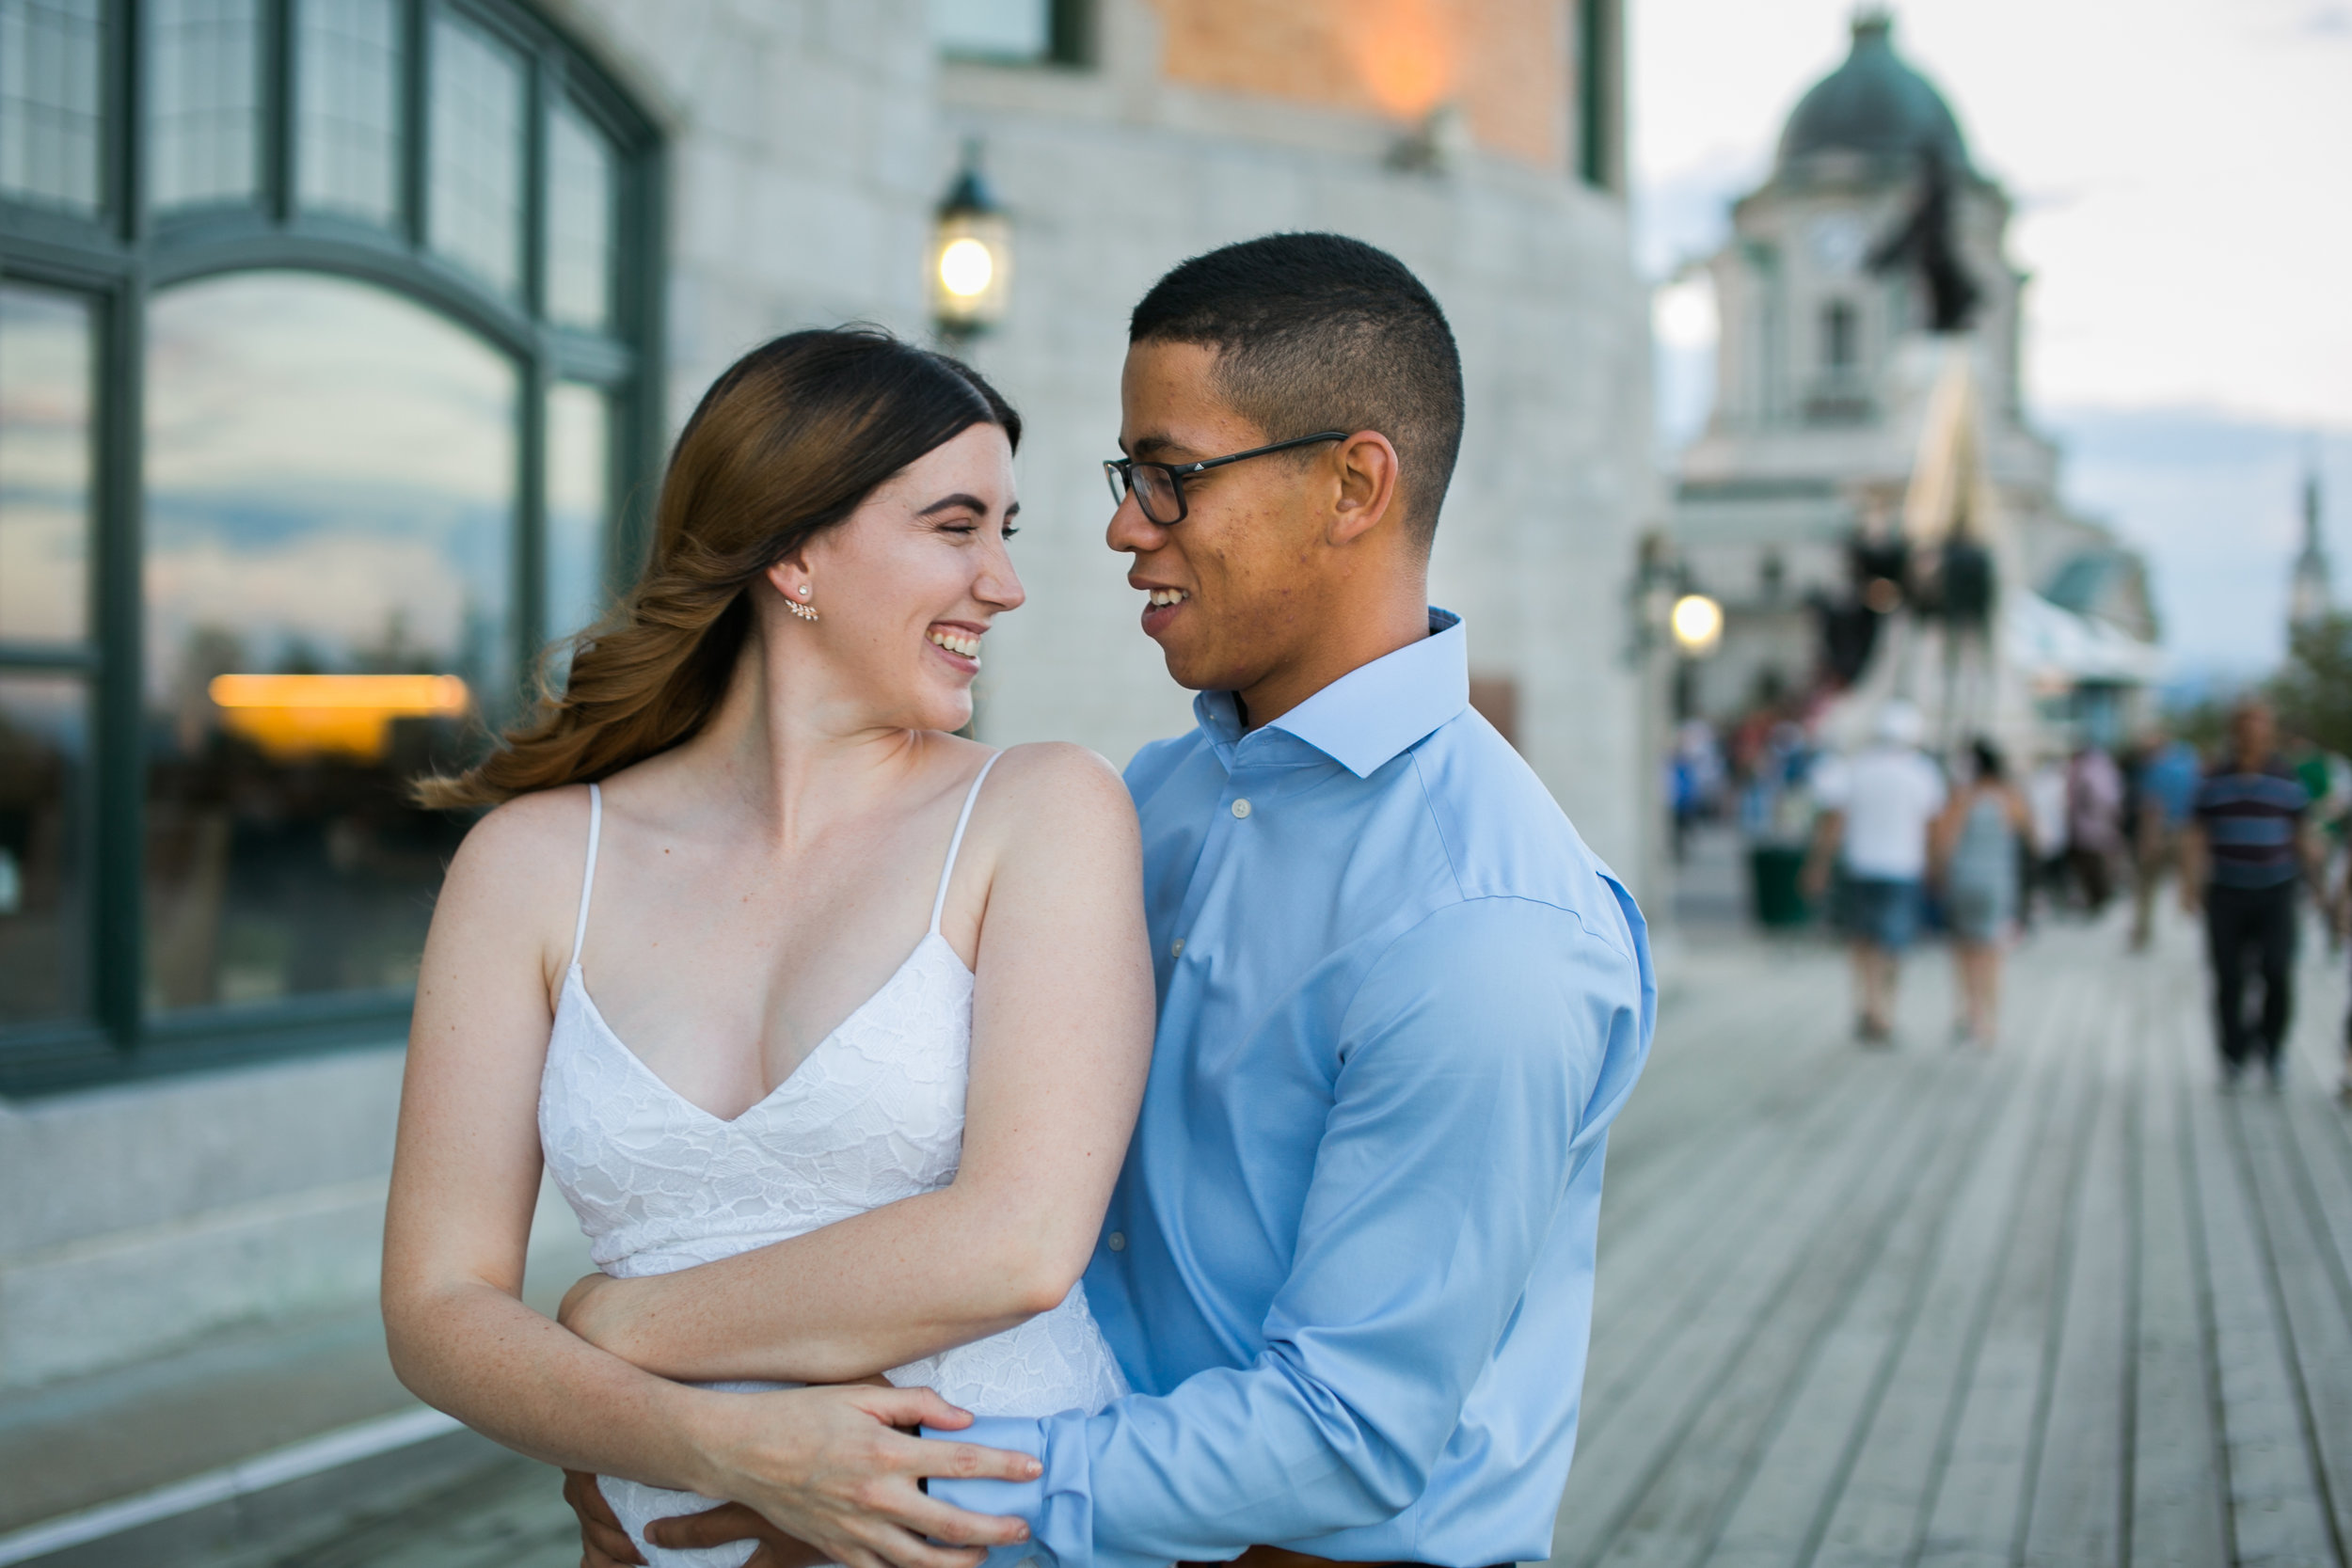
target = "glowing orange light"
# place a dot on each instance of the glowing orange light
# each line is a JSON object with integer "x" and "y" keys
{"x": 295, "y": 716}
{"x": 1405, "y": 54}
{"x": 401, "y": 694}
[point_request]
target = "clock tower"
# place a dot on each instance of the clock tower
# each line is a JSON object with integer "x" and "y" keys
{"x": 1872, "y": 259}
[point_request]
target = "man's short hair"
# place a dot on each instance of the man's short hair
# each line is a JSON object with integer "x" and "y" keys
{"x": 1322, "y": 332}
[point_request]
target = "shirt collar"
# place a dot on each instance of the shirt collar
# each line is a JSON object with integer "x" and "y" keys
{"x": 1375, "y": 711}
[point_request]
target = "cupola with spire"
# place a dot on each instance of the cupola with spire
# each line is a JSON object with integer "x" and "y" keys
{"x": 1875, "y": 104}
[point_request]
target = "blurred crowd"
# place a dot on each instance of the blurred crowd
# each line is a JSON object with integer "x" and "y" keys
{"x": 1890, "y": 842}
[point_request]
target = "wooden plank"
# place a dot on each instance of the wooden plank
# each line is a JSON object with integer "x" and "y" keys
{"x": 2079, "y": 1505}
{"x": 1677, "y": 1516}
{"x": 2320, "y": 1133}
{"x": 2276, "y": 1512}
{"x": 1983, "y": 1481}
{"x": 2179, "y": 1496}
{"x": 2318, "y": 1313}
{"x": 1772, "y": 1513}
{"x": 1706, "y": 1241}
{"x": 1705, "y": 1335}
{"x": 1716, "y": 1149}
{"x": 1719, "y": 1069}
{"x": 1878, "y": 1513}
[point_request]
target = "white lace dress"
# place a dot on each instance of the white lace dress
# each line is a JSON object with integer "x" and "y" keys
{"x": 873, "y": 1114}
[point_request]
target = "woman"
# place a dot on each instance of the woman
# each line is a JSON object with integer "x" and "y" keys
{"x": 1974, "y": 846}
{"x": 745, "y": 908}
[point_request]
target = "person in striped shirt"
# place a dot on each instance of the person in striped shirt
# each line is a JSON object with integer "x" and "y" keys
{"x": 2246, "y": 847}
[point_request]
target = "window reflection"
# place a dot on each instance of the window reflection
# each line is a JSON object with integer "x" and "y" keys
{"x": 579, "y": 222}
{"x": 477, "y": 153}
{"x": 579, "y": 459}
{"x": 349, "y": 82}
{"x": 44, "y": 933}
{"x": 204, "y": 116}
{"x": 329, "y": 513}
{"x": 44, "y": 466}
{"x": 49, "y": 125}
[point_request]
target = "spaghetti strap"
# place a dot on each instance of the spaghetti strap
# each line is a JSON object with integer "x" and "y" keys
{"x": 939, "y": 905}
{"x": 588, "y": 878}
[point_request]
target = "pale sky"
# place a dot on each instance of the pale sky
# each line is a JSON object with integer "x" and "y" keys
{"x": 2181, "y": 173}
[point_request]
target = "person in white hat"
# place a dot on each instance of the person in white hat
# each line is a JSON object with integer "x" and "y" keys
{"x": 1876, "y": 809}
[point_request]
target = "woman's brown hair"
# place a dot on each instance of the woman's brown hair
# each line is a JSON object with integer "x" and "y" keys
{"x": 785, "y": 445}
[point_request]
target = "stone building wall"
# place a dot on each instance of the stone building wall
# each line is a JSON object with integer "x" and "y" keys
{"x": 1110, "y": 177}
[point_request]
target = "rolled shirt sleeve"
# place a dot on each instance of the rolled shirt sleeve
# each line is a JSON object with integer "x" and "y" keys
{"x": 1479, "y": 1064}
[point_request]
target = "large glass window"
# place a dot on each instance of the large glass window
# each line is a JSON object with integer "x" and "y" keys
{"x": 43, "y": 939}
{"x": 52, "y": 126}
{"x": 204, "y": 116}
{"x": 477, "y": 205}
{"x": 45, "y": 465}
{"x": 253, "y": 586}
{"x": 579, "y": 460}
{"x": 579, "y": 222}
{"x": 349, "y": 76}
{"x": 330, "y": 497}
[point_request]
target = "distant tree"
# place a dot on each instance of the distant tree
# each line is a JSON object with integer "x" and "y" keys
{"x": 2312, "y": 690}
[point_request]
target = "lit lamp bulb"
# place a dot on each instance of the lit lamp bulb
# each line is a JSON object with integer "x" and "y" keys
{"x": 1698, "y": 625}
{"x": 967, "y": 268}
{"x": 971, "y": 255}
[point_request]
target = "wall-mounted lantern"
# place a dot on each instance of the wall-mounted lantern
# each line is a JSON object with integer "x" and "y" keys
{"x": 971, "y": 260}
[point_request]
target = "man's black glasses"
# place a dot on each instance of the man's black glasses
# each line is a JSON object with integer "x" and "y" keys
{"x": 1159, "y": 487}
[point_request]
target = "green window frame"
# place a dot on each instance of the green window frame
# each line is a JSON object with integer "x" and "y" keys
{"x": 99, "y": 239}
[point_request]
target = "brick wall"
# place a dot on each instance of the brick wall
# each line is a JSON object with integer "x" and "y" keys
{"x": 1506, "y": 62}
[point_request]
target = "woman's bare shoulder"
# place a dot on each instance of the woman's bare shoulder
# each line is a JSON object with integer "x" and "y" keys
{"x": 1050, "y": 781}
{"x": 521, "y": 854}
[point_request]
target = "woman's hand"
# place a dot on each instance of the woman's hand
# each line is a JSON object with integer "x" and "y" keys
{"x": 837, "y": 1470}
{"x": 599, "y": 1309}
{"x": 604, "y": 1544}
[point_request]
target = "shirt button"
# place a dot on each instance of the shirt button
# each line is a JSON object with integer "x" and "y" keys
{"x": 1119, "y": 1240}
{"x": 1176, "y": 948}
{"x": 1241, "y": 808}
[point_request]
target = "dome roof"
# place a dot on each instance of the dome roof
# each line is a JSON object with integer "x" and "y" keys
{"x": 1874, "y": 104}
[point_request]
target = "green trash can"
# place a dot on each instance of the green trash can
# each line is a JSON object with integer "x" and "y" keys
{"x": 1774, "y": 870}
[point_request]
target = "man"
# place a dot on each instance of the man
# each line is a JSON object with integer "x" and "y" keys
{"x": 2094, "y": 824}
{"x": 2166, "y": 783}
{"x": 2240, "y": 859}
{"x": 1875, "y": 808}
{"x": 1348, "y": 1265}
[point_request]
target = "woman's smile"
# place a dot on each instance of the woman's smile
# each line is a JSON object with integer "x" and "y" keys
{"x": 959, "y": 644}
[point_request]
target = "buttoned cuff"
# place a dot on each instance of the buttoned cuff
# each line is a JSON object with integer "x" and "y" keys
{"x": 1020, "y": 1499}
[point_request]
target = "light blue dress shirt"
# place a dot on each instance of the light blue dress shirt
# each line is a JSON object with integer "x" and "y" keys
{"x": 1348, "y": 1265}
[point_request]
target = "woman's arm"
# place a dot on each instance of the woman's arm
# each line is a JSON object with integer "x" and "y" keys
{"x": 464, "y": 1179}
{"x": 465, "y": 1172}
{"x": 1943, "y": 833}
{"x": 1062, "y": 1018}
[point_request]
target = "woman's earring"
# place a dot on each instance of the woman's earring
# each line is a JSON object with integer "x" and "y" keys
{"x": 804, "y": 611}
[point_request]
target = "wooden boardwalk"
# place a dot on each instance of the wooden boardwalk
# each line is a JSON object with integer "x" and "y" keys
{"x": 2065, "y": 1304}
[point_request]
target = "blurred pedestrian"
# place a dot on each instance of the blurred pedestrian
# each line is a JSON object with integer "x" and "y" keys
{"x": 2045, "y": 854}
{"x": 2341, "y": 919}
{"x": 1696, "y": 780}
{"x": 2245, "y": 849}
{"x": 1974, "y": 851}
{"x": 1873, "y": 829}
{"x": 2094, "y": 824}
{"x": 2166, "y": 775}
